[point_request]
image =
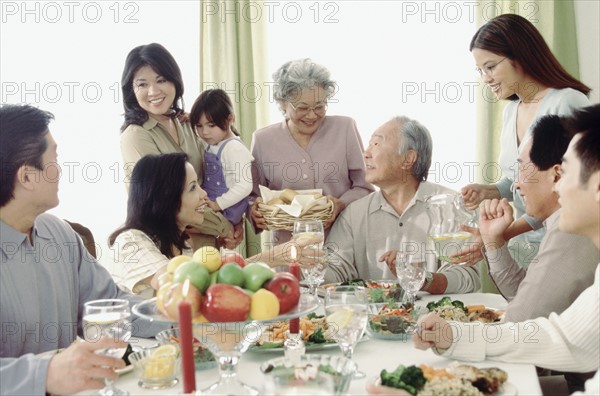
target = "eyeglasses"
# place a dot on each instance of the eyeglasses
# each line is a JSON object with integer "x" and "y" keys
{"x": 303, "y": 110}
{"x": 489, "y": 69}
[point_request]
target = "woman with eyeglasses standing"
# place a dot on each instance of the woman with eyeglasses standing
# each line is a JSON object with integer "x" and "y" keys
{"x": 517, "y": 65}
{"x": 308, "y": 149}
{"x": 153, "y": 101}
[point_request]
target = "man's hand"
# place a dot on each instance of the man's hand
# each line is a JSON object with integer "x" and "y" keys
{"x": 257, "y": 217}
{"x": 78, "y": 368}
{"x": 390, "y": 260}
{"x": 473, "y": 194}
{"x": 432, "y": 332}
{"x": 338, "y": 206}
{"x": 495, "y": 216}
{"x": 472, "y": 252}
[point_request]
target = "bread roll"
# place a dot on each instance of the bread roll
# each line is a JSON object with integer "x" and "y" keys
{"x": 275, "y": 201}
{"x": 288, "y": 195}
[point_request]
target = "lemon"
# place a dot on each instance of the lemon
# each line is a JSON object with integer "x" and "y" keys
{"x": 339, "y": 318}
{"x": 164, "y": 350}
{"x": 161, "y": 363}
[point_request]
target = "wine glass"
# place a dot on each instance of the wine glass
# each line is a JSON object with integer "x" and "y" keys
{"x": 108, "y": 318}
{"x": 314, "y": 274}
{"x": 410, "y": 270}
{"x": 347, "y": 313}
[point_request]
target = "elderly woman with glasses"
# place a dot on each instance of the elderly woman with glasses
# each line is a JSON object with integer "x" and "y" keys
{"x": 308, "y": 149}
{"x": 514, "y": 61}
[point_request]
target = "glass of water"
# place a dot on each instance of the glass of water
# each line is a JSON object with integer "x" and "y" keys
{"x": 314, "y": 273}
{"x": 107, "y": 318}
{"x": 347, "y": 314}
{"x": 410, "y": 270}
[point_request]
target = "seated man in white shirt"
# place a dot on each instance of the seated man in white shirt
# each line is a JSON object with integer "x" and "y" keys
{"x": 397, "y": 161}
{"x": 569, "y": 341}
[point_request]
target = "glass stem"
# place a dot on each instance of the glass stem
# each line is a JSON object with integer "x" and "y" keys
{"x": 228, "y": 365}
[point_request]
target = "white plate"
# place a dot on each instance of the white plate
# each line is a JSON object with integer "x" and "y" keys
{"x": 124, "y": 370}
{"x": 507, "y": 389}
{"x": 309, "y": 348}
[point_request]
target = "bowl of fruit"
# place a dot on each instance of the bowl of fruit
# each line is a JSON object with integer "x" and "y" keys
{"x": 232, "y": 302}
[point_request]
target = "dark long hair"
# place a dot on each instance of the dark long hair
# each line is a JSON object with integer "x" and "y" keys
{"x": 154, "y": 201}
{"x": 517, "y": 39}
{"x": 216, "y": 105}
{"x": 162, "y": 62}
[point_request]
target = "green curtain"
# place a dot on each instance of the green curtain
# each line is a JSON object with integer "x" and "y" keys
{"x": 556, "y": 22}
{"x": 233, "y": 58}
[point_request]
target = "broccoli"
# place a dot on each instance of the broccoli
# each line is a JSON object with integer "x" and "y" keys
{"x": 446, "y": 301}
{"x": 313, "y": 315}
{"x": 354, "y": 282}
{"x": 409, "y": 378}
{"x": 317, "y": 337}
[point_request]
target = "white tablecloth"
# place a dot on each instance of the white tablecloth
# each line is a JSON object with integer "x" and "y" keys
{"x": 371, "y": 356}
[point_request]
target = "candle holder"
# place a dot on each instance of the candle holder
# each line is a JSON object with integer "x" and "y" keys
{"x": 228, "y": 341}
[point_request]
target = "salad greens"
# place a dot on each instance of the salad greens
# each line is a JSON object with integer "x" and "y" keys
{"x": 410, "y": 378}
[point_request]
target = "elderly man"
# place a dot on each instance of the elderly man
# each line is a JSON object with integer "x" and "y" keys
{"x": 397, "y": 161}
{"x": 569, "y": 341}
{"x": 46, "y": 273}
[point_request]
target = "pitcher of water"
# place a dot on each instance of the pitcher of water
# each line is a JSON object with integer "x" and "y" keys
{"x": 446, "y": 213}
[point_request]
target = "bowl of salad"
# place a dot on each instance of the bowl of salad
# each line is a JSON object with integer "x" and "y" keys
{"x": 390, "y": 321}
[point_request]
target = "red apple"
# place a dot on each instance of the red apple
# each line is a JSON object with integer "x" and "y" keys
{"x": 173, "y": 295}
{"x": 230, "y": 256}
{"x": 287, "y": 289}
{"x": 225, "y": 303}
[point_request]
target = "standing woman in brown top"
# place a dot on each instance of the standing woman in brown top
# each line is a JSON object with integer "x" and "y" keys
{"x": 152, "y": 89}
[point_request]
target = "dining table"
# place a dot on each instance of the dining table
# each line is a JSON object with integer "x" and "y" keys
{"x": 371, "y": 355}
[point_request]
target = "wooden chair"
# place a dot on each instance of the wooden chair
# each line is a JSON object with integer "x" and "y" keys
{"x": 86, "y": 236}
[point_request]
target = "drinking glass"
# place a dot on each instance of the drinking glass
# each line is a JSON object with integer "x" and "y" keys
{"x": 347, "y": 312}
{"x": 314, "y": 274}
{"x": 107, "y": 318}
{"x": 410, "y": 270}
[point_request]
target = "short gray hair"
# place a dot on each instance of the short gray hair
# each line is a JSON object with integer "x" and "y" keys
{"x": 414, "y": 136}
{"x": 293, "y": 76}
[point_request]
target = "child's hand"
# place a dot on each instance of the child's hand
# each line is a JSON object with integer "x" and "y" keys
{"x": 214, "y": 206}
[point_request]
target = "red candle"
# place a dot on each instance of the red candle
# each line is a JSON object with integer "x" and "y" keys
{"x": 294, "y": 269}
{"x": 186, "y": 340}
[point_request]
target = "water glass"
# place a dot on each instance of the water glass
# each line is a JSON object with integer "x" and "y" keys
{"x": 347, "y": 313}
{"x": 314, "y": 274}
{"x": 410, "y": 270}
{"x": 108, "y": 318}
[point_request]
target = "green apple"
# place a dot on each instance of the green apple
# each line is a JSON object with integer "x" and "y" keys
{"x": 232, "y": 274}
{"x": 196, "y": 273}
{"x": 256, "y": 274}
{"x": 209, "y": 257}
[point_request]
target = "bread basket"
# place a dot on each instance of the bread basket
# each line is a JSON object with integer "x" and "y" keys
{"x": 279, "y": 219}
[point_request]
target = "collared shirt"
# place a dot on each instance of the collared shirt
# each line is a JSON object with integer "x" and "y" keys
{"x": 563, "y": 268}
{"x": 566, "y": 342}
{"x": 358, "y": 239}
{"x": 332, "y": 161}
{"x": 138, "y": 258}
{"x": 43, "y": 286}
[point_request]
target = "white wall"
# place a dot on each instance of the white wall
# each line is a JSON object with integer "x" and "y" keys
{"x": 587, "y": 16}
